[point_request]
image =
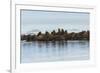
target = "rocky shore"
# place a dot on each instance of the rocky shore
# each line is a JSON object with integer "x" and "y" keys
{"x": 60, "y": 35}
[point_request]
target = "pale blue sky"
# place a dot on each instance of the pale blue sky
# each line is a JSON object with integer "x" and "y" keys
{"x": 35, "y": 21}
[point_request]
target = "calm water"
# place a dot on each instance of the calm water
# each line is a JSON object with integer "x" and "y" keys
{"x": 54, "y": 51}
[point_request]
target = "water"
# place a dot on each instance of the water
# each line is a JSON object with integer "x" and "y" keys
{"x": 54, "y": 51}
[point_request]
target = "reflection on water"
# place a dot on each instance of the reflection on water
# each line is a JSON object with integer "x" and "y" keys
{"x": 39, "y": 51}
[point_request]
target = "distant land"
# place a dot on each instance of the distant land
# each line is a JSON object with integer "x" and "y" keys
{"x": 60, "y": 35}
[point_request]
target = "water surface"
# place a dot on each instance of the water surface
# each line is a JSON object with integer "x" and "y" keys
{"x": 54, "y": 51}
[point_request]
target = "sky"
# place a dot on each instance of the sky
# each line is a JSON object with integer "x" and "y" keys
{"x": 33, "y": 21}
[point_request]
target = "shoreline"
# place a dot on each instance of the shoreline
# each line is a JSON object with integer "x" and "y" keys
{"x": 60, "y": 35}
